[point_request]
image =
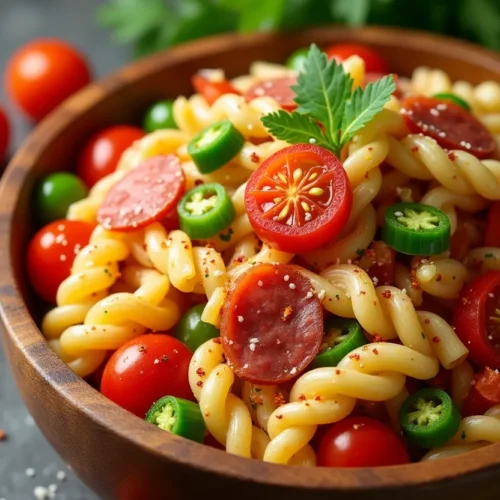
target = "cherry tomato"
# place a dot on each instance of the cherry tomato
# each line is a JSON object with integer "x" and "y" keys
{"x": 271, "y": 326}
{"x": 476, "y": 319}
{"x": 484, "y": 394}
{"x": 4, "y": 135}
{"x": 450, "y": 125}
{"x": 211, "y": 90}
{"x": 361, "y": 442}
{"x": 101, "y": 154}
{"x": 379, "y": 262}
{"x": 51, "y": 253}
{"x": 43, "y": 73}
{"x": 299, "y": 198}
{"x": 374, "y": 62}
{"x": 279, "y": 89}
{"x": 492, "y": 238}
{"x": 145, "y": 369}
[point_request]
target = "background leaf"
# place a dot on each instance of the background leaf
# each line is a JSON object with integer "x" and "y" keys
{"x": 351, "y": 12}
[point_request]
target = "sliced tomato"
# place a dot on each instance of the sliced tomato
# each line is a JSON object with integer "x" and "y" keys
{"x": 476, "y": 319}
{"x": 145, "y": 195}
{"x": 379, "y": 262}
{"x": 299, "y": 198}
{"x": 271, "y": 325}
{"x": 374, "y": 62}
{"x": 449, "y": 124}
{"x": 484, "y": 394}
{"x": 211, "y": 90}
{"x": 279, "y": 89}
{"x": 492, "y": 237}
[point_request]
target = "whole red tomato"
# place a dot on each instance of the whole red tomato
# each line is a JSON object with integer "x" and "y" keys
{"x": 374, "y": 62}
{"x": 4, "y": 134}
{"x": 43, "y": 73}
{"x": 361, "y": 442}
{"x": 51, "y": 253}
{"x": 145, "y": 369}
{"x": 102, "y": 152}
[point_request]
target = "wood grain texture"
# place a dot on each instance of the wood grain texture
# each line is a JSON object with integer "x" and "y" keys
{"x": 114, "y": 452}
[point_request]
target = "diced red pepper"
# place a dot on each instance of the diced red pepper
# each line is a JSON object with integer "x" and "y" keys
{"x": 484, "y": 394}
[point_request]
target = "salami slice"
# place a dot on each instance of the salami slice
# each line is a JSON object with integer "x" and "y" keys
{"x": 145, "y": 195}
{"x": 277, "y": 88}
{"x": 272, "y": 324}
{"x": 449, "y": 124}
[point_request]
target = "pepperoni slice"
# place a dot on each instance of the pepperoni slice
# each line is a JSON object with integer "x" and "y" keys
{"x": 450, "y": 125}
{"x": 145, "y": 195}
{"x": 272, "y": 324}
{"x": 277, "y": 88}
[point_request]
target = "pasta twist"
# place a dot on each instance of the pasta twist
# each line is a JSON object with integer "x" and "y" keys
{"x": 421, "y": 157}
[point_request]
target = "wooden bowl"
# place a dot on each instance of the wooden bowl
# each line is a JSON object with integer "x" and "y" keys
{"x": 114, "y": 452}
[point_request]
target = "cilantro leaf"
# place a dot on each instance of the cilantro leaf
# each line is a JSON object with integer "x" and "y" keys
{"x": 364, "y": 105}
{"x": 322, "y": 90}
{"x": 295, "y": 128}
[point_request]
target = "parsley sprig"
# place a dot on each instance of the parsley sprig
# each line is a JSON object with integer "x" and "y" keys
{"x": 324, "y": 94}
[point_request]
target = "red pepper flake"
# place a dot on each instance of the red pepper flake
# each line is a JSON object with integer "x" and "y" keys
{"x": 414, "y": 281}
{"x": 355, "y": 356}
{"x": 414, "y": 149}
{"x": 198, "y": 182}
{"x": 254, "y": 157}
{"x": 301, "y": 398}
{"x": 370, "y": 148}
{"x": 370, "y": 252}
{"x": 452, "y": 156}
{"x": 436, "y": 340}
{"x": 427, "y": 321}
{"x": 256, "y": 399}
{"x": 439, "y": 277}
{"x": 386, "y": 294}
{"x": 378, "y": 338}
{"x": 3, "y": 435}
{"x": 356, "y": 271}
{"x": 200, "y": 372}
{"x": 307, "y": 404}
{"x": 337, "y": 371}
{"x": 199, "y": 383}
{"x": 375, "y": 351}
{"x": 278, "y": 399}
{"x": 286, "y": 313}
{"x": 362, "y": 292}
{"x": 217, "y": 340}
{"x": 317, "y": 398}
{"x": 207, "y": 414}
{"x": 279, "y": 417}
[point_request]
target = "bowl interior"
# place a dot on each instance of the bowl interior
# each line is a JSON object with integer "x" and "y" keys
{"x": 122, "y": 98}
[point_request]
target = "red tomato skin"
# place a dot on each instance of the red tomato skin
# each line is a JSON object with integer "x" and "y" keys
{"x": 51, "y": 253}
{"x": 469, "y": 319}
{"x": 374, "y": 62}
{"x": 484, "y": 394}
{"x": 211, "y": 91}
{"x": 102, "y": 152}
{"x": 492, "y": 237}
{"x": 323, "y": 229}
{"x": 361, "y": 442}
{"x": 43, "y": 73}
{"x": 145, "y": 369}
{"x": 279, "y": 89}
{"x": 4, "y": 135}
{"x": 379, "y": 262}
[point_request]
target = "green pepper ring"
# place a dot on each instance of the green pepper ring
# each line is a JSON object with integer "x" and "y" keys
{"x": 438, "y": 432}
{"x": 430, "y": 234}
{"x": 354, "y": 338}
{"x": 178, "y": 416}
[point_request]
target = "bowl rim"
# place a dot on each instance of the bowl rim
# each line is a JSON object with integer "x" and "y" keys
{"x": 141, "y": 434}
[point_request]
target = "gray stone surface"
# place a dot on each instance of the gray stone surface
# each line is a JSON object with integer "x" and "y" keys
{"x": 21, "y": 21}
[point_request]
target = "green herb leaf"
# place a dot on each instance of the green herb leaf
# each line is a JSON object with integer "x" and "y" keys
{"x": 352, "y": 12}
{"x": 322, "y": 91}
{"x": 295, "y": 128}
{"x": 364, "y": 105}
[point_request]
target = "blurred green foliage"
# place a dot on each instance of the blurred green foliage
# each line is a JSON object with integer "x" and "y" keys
{"x": 152, "y": 25}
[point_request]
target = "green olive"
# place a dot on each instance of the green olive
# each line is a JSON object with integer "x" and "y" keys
{"x": 55, "y": 193}
{"x": 192, "y": 331}
{"x": 296, "y": 60}
{"x": 160, "y": 116}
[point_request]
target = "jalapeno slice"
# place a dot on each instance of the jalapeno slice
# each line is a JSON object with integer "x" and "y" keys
{"x": 448, "y": 96}
{"x": 178, "y": 416}
{"x": 416, "y": 229}
{"x": 341, "y": 337}
{"x": 214, "y": 146}
{"x": 205, "y": 211}
{"x": 429, "y": 418}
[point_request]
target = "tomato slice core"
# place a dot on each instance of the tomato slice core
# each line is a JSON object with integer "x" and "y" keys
{"x": 299, "y": 198}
